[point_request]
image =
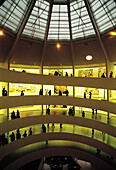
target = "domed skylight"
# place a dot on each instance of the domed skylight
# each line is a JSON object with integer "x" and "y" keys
{"x": 58, "y": 19}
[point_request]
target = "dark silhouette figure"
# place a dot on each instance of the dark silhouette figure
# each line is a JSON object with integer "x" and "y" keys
{"x": 84, "y": 94}
{"x": 48, "y": 112}
{"x": 23, "y": 71}
{"x": 49, "y": 92}
{"x": 22, "y": 93}
{"x": 103, "y": 75}
{"x": 41, "y": 92}
{"x": 111, "y": 74}
{"x": 98, "y": 153}
{"x": 25, "y": 134}
{"x": 83, "y": 114}
{"x": 12, "y": 136}
{"x": 66, "y": 74}
{"x": 90, "y": 94}
{"x": 4, "y": 92}
{"x": 30, "y": 131}
{"x": 43, "y": 128}
{"x": 56, "y": 73}
{"x": 92, "y": 133}
{"x": 18, "y": 114}
{"x": 93, "y": 111}
{"x": 60, "y": 125}
{"x": 18, "y": 135}
{"x": 60, "y": 93}
{"x": 13, "y": 115}
{"x": 96, "y": 111}
{"x": 70, "y": 111}
{"x": 67, "y": 92}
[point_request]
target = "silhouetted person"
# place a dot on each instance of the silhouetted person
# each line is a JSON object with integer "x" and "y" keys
{"x": 18, "y": 135}
{"x": 70, "y": 111}
{"x": 83, "y": 114}
{"x": 49, "y": 92}
{"x": 66, "y": 74}
{"x": 111, "y": 74}
{"x": 84, "y": 94}
{"x": 48, "y": 112}
{"x": 13, "y": 115}
{"x": 103, "y": 75}
{"x": 43, "y": 128}
{"x": 30, "y": 131}
{"x": 60, "y": 125}
{"x": 92, "y": 133}
{"x": 25, "y": 134}
{"x": 41, "y": 92}
{"x": 67, "y": 92}
{"x": 18, "y": 114}
{"x": 98, "y": 152}
{"x": 90, "y": 94}
{"x": 93, "y": 111}
{"x": 23, "y": 71}
{"x": 22, "y": 93}
{"x": 12, "y": 136}
{"x": 60, "y": 93}
{"x": 96, "y": 111}
{"x": 4, "y": 92}
{"x": 56, "y": 73}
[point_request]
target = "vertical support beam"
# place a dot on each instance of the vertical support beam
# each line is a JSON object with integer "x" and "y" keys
{"x": 45, "y": 41}
{"x": 9, "y": 55}
{"x": 71, "y": 43}
{"x": 100, "y": 41}
{"x": 46, "y": 37}
{"x": 98, "y": 35}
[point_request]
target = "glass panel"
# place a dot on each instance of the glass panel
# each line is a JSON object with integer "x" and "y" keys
{"x": 38, "y": 19}
{"x": 102, "y": 12}
{"x": 59, "y": 23}
{"x": 12, "y": 14}
{"x": 80, "y": 20}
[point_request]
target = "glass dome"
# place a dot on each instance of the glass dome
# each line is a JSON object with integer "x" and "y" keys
{"x": 58, "y": 19}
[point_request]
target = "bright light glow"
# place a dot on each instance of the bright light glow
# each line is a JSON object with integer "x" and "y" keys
{"x": 1, "y": 32}
{"x": 58, "y": 45}
{"x": 88, "y": 57}
{"x": 113, "y": 33}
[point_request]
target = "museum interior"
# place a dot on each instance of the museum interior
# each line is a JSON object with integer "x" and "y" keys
{"x": 58, "y": 84}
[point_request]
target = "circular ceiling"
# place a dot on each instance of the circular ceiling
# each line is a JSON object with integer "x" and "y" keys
{"x": 58, "y": 19}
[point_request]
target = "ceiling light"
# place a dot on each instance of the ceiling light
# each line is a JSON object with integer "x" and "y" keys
{"x": 1, "y": 32}
{"x": 113, "y": 33}
{"x": 58, "y": 45}
{"x": 89, "y": 57}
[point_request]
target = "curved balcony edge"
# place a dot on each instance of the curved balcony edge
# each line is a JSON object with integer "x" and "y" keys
{"x": 20, "y": 77}
{"x": 9, "y": 148}
{"x": 15, "y": 101}
{"x": 33, "y": 120}
{"x": 52, "y": 151}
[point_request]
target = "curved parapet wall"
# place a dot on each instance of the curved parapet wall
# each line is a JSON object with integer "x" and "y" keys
{"x": 58, "y": 151}
{"x": 9, "y": 148}
{"x": 20, "y": 77}
{"x": 29, "y": 121}
{"x": 14, "y": 101}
